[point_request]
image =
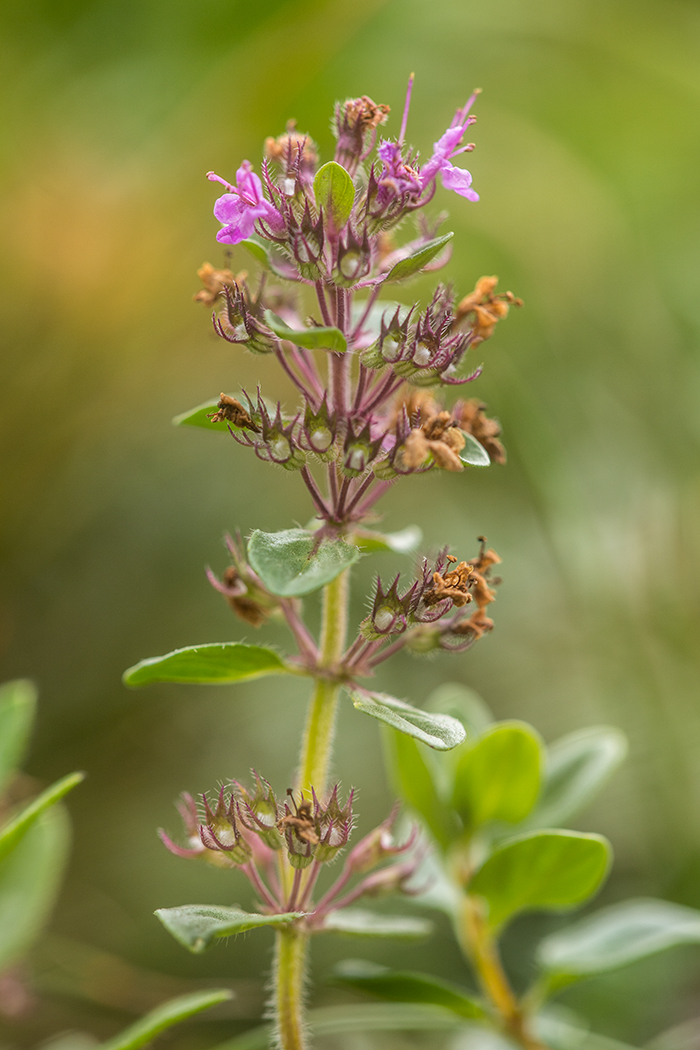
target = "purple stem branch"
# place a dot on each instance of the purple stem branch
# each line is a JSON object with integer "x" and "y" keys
{"x": 315, "y": 494}
{"x": 251, "y": 873}
{"x": 369, "y": 480}
{"x": 321, "y": 296}
{"x": 292, "y": 375}
{"x": 389, "y": 651}
{"x": 378, "y": 492}
{"x": 304, "y": 638}
{"x": 371, "y": 300}
{"x": 308, "y": 370}
{"x": 291, "y": 903}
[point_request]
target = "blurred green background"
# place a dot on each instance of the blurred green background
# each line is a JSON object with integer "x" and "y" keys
{"x": 587, "y": 164}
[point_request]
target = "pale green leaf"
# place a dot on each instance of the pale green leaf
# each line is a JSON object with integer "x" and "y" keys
{"x": 214, "y": 663}
{"x": 257, "y": 248}
{"x": 417, "y": 260}
{"x": 14, "y": 831}
{"x": 165, "y": 1016}
{"x": 578, "y": 766}
{"x": 30, "y": 877}
{"x": 405, "y": 987}
{"x": 359, "y": 922}
{"x": 199, "y": 417}
{"x": 437, "y": 731}
{"x": 498, "y": 778}
{"x": 463, "y": 703}
{"x": 474, "y": 452}
{"x": 618, "y": 935}
{"x": 335, "y": 194}
{"x": 197, "y": 926}
{"x": 550, "y": 870}
{"x": 416, "y": 783}
{"x": 404, "y": 542}
{"x": 17, "y": 710}
{"x": 293, "y": 563}
{"x": 308, "y": 338}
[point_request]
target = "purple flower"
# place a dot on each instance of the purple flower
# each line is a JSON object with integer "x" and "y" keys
{"x": 447, "y": 147}
{"x": 240, "y": 208}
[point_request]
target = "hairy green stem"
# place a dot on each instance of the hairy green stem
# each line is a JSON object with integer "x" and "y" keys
{"x": 290, "y": 958}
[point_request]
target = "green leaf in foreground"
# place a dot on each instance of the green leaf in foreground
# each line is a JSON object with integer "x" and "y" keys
{"x": 404, "y": 987}
{"x": 197, "y": 926}
{"x": 30, "y": 876}
{"x": 308, "y": 338}
{"x": 165, "y": 1016}
{"x": 499, "y": 777}
{"x": 413, "y": 263}
{"x": 292, "y": 563}
{"x": 441, "y": 732}
{"x": 15, "y": 830}
{"x": 474, "y": 452}
{"x": 618, "y": 935}
{"x": 404, "y": 542}
{"x": 360, "y": 922}
{"x": 335, "y": 193}
{"x": 551, "y": 870}
{"x": 579, "y": 765}
{"x": 17, "y": 710}
{"x": 415, "y": 782}
{"x": 214, "y": 663}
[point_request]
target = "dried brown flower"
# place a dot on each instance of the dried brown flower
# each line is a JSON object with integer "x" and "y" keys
{"x": 470, "y": 415}
{"x": 232, "y": 411}
{"x": 438, "y": 435}
{"x": 284, "y": 147}
{"x": 484, "y": 308}
{"x": 214, "y": 282}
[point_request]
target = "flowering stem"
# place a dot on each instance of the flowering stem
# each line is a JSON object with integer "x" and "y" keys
{"x": 290, "y": 956}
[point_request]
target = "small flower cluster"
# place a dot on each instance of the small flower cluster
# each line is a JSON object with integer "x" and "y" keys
{"x": 248, "y": 830}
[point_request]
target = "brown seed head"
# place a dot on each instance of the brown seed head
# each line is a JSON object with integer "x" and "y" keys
{"x": 214, "y": 282}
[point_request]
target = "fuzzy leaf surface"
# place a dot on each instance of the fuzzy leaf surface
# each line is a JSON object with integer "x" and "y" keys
{"x": 618, "y": 935}
{"x": 292, "y": 563}
{"x": 417, "y": 260}
{"x": 334, "y": 191}
{"x": 474, "y": 452}
{"x": 165, "y": 1016}
{"x": 360, "y": 922}
{"x": 579, "y": 765}
{"x": 197, "y": 926}
{"x": 15, "y": 830}
{"x": 499, "y": 777}
{"x": 17, "y": 710}
{"x": 214, "y": 663}
{"x": 308, "y": 338}
{"x": 30, "y": 876}
{"x": 403, "y": 987}
{"x": 415, "y": 782}
{"x": 441, "y": 732}
{"x": 550, "y": 870}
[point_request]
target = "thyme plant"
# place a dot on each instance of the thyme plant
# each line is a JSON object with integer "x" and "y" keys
{"x": 372, "y": 380}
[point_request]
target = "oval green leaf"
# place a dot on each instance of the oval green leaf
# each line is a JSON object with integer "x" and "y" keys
{"x": 335, "y": 194}
{"x": 474, "y": 452}
{"x": 550, "y": 870}
{"x": 415, "y": 782}
{"x": 440, "y": 732}
{"x": 30, "y": 876}
{"x": 499, "y": 777}
{"x": 17, "y": 710}
{"x": 15, "y": 830}
{"x": 215, "y": 663}
{"x": 617, "y": 936}
{"x": 308, "y": 338}
{"x": 404, "y": 542}
{"x": 360, "y": 922}
{"x": 578, "y": 766}
{"x": 463, "y": 703}
{"x": 164, "y": 1017}
{"x": 292, "y": 563}
{"x": 417, "y": 260}
{"x": 197, "y": 926}
{"x": 404, "y": 987}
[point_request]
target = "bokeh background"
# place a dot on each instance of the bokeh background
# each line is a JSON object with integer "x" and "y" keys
{"x": 587, "y": 164}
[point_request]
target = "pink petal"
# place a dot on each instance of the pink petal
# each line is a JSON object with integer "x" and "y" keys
{"x": 459, "y": 180}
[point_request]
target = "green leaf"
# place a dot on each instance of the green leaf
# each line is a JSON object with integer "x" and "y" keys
{"x": 498, "y": 778}
{"x": 292, "y": 563}
{"x": 257, "y": 248}
{"x": 197, "y": 926}
{"x": 30, "y": 877}
{"x": 474, "y": 452}
{"x": 415, "y": 262}
{"x": 17, "y": 710}
{"x": 618, "y": 935}
{"x": 404, "y": 542}
{"x": 463, "y": 703}
{"x": 415, "y": 782}
{"x": 578, "y": 766}
{"x": 403, "y": 987}
{"x": 367, "y": 1017}
{"x": 16, "y": 829}
{"x": 198, "y": 417}
{"x": 550, "y": 870}
{"x": 308, "y": 338}
{"x": 359, "y": 922}
{"x": 212, "y": 663}
{"x": 165, "y": 1016}
{"x": 335, "y": 194}
{"x": 437, "y": 731}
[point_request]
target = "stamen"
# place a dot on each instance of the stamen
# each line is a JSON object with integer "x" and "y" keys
{"x": 406, "y": 107}
{"x": 213, "y": 177}
{"x": 468, "y": 105}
